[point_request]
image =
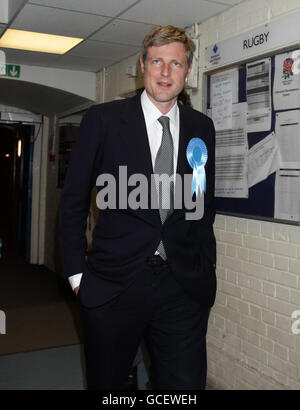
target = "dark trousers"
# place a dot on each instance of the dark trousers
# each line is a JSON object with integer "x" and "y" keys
{"x": 156, "y": 308}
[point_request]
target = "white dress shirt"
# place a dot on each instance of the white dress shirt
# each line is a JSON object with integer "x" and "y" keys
{"x": 154, "y": 131}
{"x": 154, "y": 128}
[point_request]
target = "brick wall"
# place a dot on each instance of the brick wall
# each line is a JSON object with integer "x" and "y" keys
{"x": 250, "y": 340}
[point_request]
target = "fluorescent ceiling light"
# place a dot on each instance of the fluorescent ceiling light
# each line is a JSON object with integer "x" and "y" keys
{"x": 44, "y": 43}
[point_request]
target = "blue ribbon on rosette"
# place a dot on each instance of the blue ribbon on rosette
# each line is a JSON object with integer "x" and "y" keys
{"x": 196, "y": 154}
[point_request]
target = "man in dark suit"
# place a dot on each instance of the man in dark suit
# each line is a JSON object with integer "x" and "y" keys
{"x": 149, "y": 274}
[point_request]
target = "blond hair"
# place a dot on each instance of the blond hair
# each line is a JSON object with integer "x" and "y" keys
{"x": 162, "y": 35}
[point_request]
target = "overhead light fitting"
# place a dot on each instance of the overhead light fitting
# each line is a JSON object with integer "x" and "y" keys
{"x": 32, "y": 41}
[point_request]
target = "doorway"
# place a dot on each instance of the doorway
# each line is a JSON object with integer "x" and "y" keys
{"x": 16, "y": 152}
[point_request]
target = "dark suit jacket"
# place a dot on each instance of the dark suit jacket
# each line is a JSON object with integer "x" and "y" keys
{"x": 111, "y": 135}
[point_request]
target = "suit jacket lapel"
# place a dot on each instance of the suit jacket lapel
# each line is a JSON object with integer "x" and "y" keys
{"x": 134, "y": 132}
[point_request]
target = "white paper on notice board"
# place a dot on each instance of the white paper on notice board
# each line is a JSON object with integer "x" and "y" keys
{"x": 286, "y": 91}
{"x": 263, "y": 160}
{"x": 287, "y": 130}
{"x": 218, "y": 80}
{"x": 258, "y": 89}
{"x": 287, "y": 198}
{"x": 224, "y": 93}
{"x": 231, "y": 157}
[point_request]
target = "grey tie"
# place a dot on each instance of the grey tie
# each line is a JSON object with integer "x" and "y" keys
{"x": 164, "y": 165}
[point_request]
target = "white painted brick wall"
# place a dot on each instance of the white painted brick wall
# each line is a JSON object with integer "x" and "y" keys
{"x": 250, "y": 340}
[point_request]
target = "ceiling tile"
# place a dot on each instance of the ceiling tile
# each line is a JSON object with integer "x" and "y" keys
{"x": 103, "y": 7}
{"x": 111, "y": 40}
{"x": 56, "y": 21}
{"x": 101, "y": 50}
{"x": 122, "y": 31}
{"x": 183, "y": 13}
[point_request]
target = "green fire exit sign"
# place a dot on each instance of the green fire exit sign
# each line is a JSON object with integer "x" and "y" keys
{"x": 10, "y": 70}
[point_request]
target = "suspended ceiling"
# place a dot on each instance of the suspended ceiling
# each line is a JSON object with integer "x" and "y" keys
{"x": 112, "y": 29}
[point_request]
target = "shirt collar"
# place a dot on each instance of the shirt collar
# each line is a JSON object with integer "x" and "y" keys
{"x": 152, "y": 113}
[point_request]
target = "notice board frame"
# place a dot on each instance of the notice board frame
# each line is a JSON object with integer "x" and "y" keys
{"x": 255, "y": 206}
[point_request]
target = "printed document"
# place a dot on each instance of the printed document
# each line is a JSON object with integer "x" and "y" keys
{"x": 258, "y": 89}
{"x": 263, "y": 160}
{"x": 287, "y": 197}
{"x": 224, "y": 93}
{"x": 286, "y": 91}
{"x": 287, "y": 130}
{"x": 231, "y": 157}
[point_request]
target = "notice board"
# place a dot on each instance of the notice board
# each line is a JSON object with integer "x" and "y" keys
{"x": 255, "y": 107}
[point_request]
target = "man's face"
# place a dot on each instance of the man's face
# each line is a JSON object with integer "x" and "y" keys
{"x": 165, "y": 70}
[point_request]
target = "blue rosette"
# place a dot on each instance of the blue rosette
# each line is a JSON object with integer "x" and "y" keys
{"x": 196, "y": 154}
